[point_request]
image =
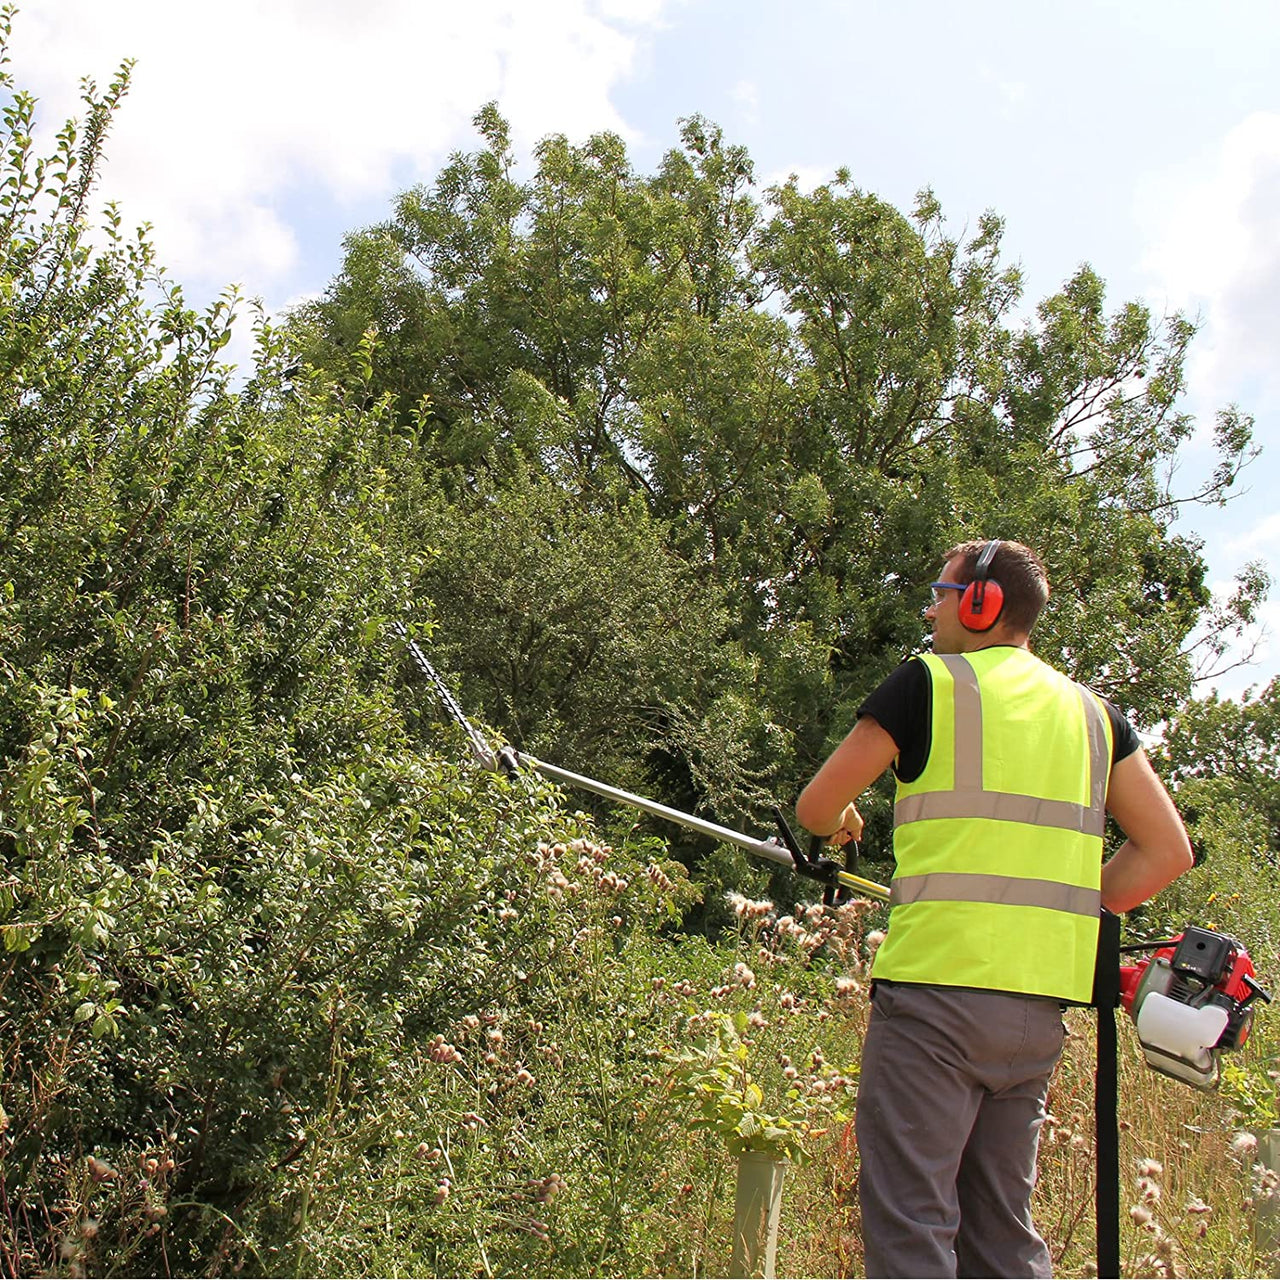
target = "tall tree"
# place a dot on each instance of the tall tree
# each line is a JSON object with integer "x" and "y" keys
{"x": 811, "y": 393}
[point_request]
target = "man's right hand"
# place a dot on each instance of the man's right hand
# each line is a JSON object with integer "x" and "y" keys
{"x": 850, "y": 827}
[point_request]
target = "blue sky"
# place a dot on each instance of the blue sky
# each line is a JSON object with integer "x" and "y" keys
{"x": 1141, "y": 136}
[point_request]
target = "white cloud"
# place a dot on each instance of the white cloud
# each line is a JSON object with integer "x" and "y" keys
{"x": 236, "y": 108}
{"x": 746, "y": 97}
{"x": 1263, "y": 535}
{"x": 1215, "y": 253}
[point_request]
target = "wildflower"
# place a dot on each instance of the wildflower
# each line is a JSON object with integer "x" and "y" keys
{"x": 659, "y": 877}
{"x": 1244, "y": 1144}
{"x": 442, "y": 1191}
{"x": 1140, "y": 1214}
{"x": 874, "y": 939}
{"x": 1148, "y": 1190}
{"x": 443, "y": 1052}
{"x": 549, "y": 1188}
{"x": 847, "y": 988}
{"x": 757, "y": 1019}
{"x": 1198, "y": 1206}
{"x": 1150, "y": 1168}
{"x": 743, "y": 976}
{"x": 851, "y": 910}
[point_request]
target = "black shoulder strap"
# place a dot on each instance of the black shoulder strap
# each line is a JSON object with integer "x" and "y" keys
{"x": 1106, "y": 997}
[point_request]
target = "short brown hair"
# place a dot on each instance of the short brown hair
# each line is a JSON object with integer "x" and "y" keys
{"x": 1020, "y": 573}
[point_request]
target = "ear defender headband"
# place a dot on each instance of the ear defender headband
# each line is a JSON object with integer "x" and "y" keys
{"x": 983, "y": 598}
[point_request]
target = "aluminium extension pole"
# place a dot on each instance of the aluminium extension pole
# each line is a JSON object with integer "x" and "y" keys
{"x": 507, "y": 759}
{"x": 764, "y": 848}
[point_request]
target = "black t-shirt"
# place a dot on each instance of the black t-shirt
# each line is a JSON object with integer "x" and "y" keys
{"x": 901, "y": 706}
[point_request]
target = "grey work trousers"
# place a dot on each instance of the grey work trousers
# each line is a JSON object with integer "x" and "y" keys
{"x": 950, "y": 1104}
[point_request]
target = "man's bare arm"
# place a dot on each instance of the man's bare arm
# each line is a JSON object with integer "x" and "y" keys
{"x": 826, "y": 806}
{"x": 1157, "y": 850}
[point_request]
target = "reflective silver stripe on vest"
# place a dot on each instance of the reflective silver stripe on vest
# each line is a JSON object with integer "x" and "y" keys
{"x": 968, "y": 726}
{"x": 969, "y": 799}
{"x": 1010, "y": 891}
{"x": 1003, "y": 806}
{"x": 1099, "y": 755}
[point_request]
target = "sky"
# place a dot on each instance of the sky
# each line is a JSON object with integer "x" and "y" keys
{"x": 1140, "y": 136}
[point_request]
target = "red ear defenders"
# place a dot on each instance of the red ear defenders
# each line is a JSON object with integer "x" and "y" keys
{"x": 983, "y": 598}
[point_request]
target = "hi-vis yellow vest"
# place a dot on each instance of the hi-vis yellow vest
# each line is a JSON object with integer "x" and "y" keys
{"x": 999, "y": 841}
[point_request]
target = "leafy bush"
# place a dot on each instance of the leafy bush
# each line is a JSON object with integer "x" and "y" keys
{"x": 286, "y": 991}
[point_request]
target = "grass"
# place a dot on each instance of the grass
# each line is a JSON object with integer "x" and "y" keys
{"x": 572, "y": 1125}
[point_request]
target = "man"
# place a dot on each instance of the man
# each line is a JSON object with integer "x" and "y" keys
{"x": 1005, "y": 770}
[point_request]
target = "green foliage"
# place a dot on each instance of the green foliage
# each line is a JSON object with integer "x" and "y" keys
{"x": 712, "y": 1077}
{"x": 1251, "y": 1092}
{"x": 809, "y": 395}
{"x": 660, "y": 465}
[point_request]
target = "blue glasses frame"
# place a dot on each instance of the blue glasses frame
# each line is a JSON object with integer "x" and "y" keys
{"x": 938, "y": 587}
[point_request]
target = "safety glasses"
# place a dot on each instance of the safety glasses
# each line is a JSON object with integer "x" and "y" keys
{"x": 939, "y": 587}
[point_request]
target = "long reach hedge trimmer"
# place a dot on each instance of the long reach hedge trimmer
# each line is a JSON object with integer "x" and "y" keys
{"x": 1191, "y": 999}
{"x": 838, "y": 882}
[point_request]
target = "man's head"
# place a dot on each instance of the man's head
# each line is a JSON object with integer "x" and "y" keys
{"x": 1024, "y": 585}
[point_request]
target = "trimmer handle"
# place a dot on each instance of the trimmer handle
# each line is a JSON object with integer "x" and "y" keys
{"x": 815, "y": 864}
{"x": 1256, "y": 990}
